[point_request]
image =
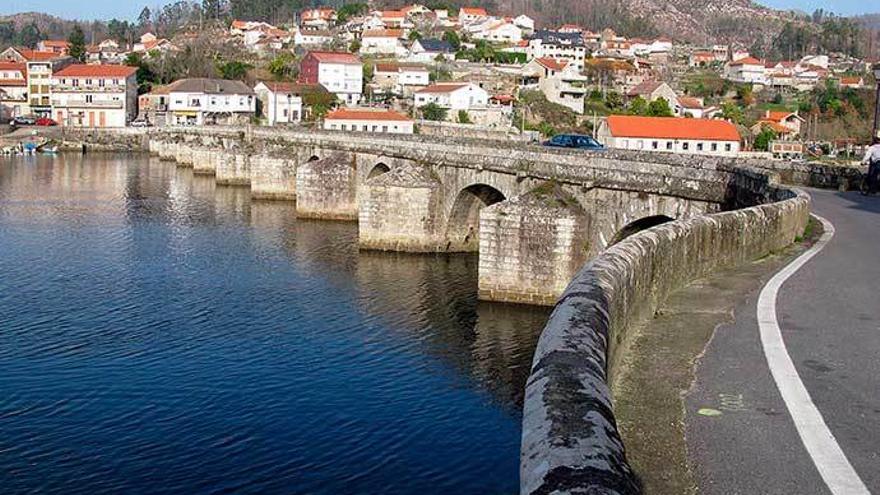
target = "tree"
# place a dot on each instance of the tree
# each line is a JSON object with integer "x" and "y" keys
{"x": 145, "y": 19}
{"x": 350, "y": 10}
{"x": 732, "y": 112}
{"x": 453, "y": 39}
{"x": 355, "y": 46}
{"x": 414, "y": 35}
{"x": 433, "y": 111}
{"x": 638, "y": 106}
{"x": 762, "y": 140}
{"x": 77, "y": 40}
{"x": 283, "y": 66}
{"x": 30, "y": 35}
{"x": 233, "y": 69}
{"x": 145, "y": 75}
{"x": 319, "y": 101}
{"x": 212, "y": 9}
{"x": 463, "y": 117}
{"x": 659, "y": 108}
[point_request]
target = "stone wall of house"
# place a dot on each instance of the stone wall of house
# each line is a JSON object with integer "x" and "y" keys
{"x": 570, "y": 441}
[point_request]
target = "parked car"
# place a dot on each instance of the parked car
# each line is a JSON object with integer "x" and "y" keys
{"x": 141, "y": 123}
{"x": 575, "y": 141}
{"x": 46, "y": 122}
{"x": 23, "y": 120}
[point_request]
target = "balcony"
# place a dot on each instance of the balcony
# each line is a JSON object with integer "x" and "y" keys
{"x": 106, "y": 104}
{"x": 68, "y": 88}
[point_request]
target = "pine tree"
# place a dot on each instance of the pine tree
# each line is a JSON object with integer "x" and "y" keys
{"x": 145, "y": 20}
{"x": 77, "y": 42}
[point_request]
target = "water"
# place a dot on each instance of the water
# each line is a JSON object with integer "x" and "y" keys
{"x": 159, "y": 334}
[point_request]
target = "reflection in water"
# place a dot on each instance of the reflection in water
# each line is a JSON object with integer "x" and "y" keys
{"x": 159, "y": 333}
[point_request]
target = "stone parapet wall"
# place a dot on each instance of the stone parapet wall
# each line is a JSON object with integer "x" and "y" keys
{"x": 570, "y": 441}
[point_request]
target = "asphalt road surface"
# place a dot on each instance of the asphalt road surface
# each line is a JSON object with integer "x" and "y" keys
{"x": 741, "y": 436}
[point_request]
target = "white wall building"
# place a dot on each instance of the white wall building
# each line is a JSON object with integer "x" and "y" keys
{"x": 368, "y": 120}
{"x": 670, "y": 135}
{"x": 340, "y": 73}
{"x": 210, "y": 101}
{"x": 281, "y": 102}
{"x": 95, "y": 95}
{"x": 452, "y": 96}
{"x": 382, "y": 42}
{"x": 559, "y": 81}
{"x": 400, "y": 79}
{"x": 747, "y": 70}
{"x": 13, "y": 84}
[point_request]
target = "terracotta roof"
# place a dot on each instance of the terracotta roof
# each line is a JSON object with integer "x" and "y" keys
{"x": 366, "y": 114}
{"x": 552, "y": 63}
{"x": 393, "y": 14}
{"x": 382, "y": 33}
{"x": 13, "y": 82}
{"x": 851, "y": 80}
{"x": 335, "y": 57}
{"x": 442, "y": 88}
{"x": 747, "y": 61}
{"x": 82, "y": 70}
{"x": 777, "y": 127}
{"x": 289, "y": 87}
{"x": 33, "y": 55}
{"x": 690, "y": 102}
{"x": 777, "y": 115}
{"x": 645, "y": 88}
{"x": 56, "y": 43}
{"x": 672, "y": 128}
{"x": 12, "y": 66}
{"x": 474, "y": 11}
{"x": 397, "y": 67}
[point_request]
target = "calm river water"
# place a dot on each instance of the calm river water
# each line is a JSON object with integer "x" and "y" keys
{"x": 159, "y": 334}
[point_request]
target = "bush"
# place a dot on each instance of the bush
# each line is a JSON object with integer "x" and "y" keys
{"x": 463, "y": 117}
{"x": 433, "y": 111}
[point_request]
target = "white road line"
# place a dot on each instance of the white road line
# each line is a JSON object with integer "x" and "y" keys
{"x": 829, "y": 459}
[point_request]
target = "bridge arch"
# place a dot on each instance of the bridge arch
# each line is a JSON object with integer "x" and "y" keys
{"x": 639, "y": 225}
{"x": 378, "y": 169}
{"x": 313, "y": 158}
{"x": 463, "y": 224}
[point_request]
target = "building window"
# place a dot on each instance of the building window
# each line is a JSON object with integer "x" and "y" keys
{"x": 669, "y": 145}
{"x": 699, "y": 146}
{"x": 727, "y": 147}
{"x": 685, "y": 146}
{"x": 654, "y": 145}
{"x": 384, "y": 128}
{"x": 714, "y": 146}
{"x": 344, "y": 127}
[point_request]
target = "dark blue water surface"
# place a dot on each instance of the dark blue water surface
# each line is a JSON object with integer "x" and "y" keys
{"x": 159, "y": 334}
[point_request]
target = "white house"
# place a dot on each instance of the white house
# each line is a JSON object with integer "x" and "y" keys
{"x": 694, "y": 107}
{"x": 525, "y": 22}
{"x": 427, "y": 50}
{"x": 498, "y": 31}
{"x": 95, "y": 95}
{"x": 382, "y": 42}
{"x": 312, "y": 38}
{"x": 281, "y": 102}
{"x": 201, "y": 101}
{"x": 399, "y": 78}
{"x": 368, "y": 120}
{"x": 340, "y": 73}
{"x": 747, "y": 70}
{"x": 670, "y": 135}
{"x": 559, "y": 81}
{"x": 13, "y": 85}
{"x": 560, "y": 46}
{"x": 452, "y": 96}
{"x": 319, "y": 18}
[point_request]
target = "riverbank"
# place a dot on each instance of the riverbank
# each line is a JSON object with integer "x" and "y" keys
{"x": 658, "y": 372}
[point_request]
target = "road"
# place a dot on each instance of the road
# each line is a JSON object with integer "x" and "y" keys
{"x": 829, "y": 315}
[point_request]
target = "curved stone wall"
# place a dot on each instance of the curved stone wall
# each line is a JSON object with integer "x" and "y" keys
{"x": 570, "y": 442}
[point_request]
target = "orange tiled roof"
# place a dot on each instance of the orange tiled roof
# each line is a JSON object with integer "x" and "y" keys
{"x": 442, "y": 88}
{"x": 690, "y": 102}
{"x": 83, "y": 70}
{"x": 672, "y": 128}
{"x": 393, "y": 14}
{"x": 747, "y": 61}
{"x": 56, "y": 43}
{"x": 474, "y": 11}
{"x": 552, "y": 63}
{"x": 34, "y": 55}
{"x": 382, "y": 33}
{"x": 335, "y": 57}
{"x": 13, "y": 66}
{"x": 366, "y": 114}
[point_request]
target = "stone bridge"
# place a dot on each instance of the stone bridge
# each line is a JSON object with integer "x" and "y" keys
{"x": 535, "y": 215}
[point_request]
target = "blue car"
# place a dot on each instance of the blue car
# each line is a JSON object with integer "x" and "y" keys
{"x": 575, "y": 141}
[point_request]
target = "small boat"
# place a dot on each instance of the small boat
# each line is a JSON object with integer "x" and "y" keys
{"x": 49, "y": 148}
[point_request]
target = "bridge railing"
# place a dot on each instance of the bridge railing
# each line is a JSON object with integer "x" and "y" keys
{"x": 570, "y": 441}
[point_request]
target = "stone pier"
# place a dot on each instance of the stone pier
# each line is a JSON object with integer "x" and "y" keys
{"x": 398, "y": 211}
{"x": 532, "y": 246}
{"x": 327, "y": 188}
{"x": 233, "y": 169}
{"x": 183, "y": 155}
{"x": 204, "y": 161}
{"x": 273, "y": 178}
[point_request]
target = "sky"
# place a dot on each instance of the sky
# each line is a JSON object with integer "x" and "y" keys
{"x": 129, "y": 9}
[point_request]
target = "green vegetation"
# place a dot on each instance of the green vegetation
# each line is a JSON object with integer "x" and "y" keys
{"x": 453, "y": 39}
{"x": 349, "y": 10}
{"x": 77, "y": 42}
{"x": 233, "y": 69}
{"x": 463, "y": 117}
{"x": 145, "y": 76}
{"x": 433, "y": 111}
{"x": 657, "y": 108}
{"x": 485, "y": 52}
{"x": 283, "y": 67}
{"x": 762, "y": 140}
{"x": 414, "y": 35}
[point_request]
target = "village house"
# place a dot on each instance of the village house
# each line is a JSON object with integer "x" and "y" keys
{"x": 688, "y": 106}
{"x": 558, "y": 81}
{"x": 60, "y": 47}
{"x": 280, "y": 102}
{"x": 200, "y": 101}
{"x": 701, "y": 59}
{"x": 747, "y": 70}
{"x": 525, "y": 23}
{"x": 105, "y": 52}
{"x": 400, "y": 78}
{"x": 13, "y": 90}
{"x": 560, "y": 46}
{"x": 368, "y": 120}
{"x": 427, "y": 50}
{"x": 95, "y": 95}
{"x": 468, "y": 15}
{"x": 654, "y": 90}
{"x": 497, "y": 31}
{"x": 453, "y": 97}
{"x": 40, "y": 68}
{"x": 393, "y": 19}
{"x": 852, "y": 82}
{"x": 312, "y": 38}
{"x": 382, "y": 42}
{"x": 149, "y": 43}
{"x": 319, "y": 18}
{"x": 340, "y": 73}
{"x": 785, "y": 124}
{"x": 153, "y": 106}
{"x": 670, "y": 135}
